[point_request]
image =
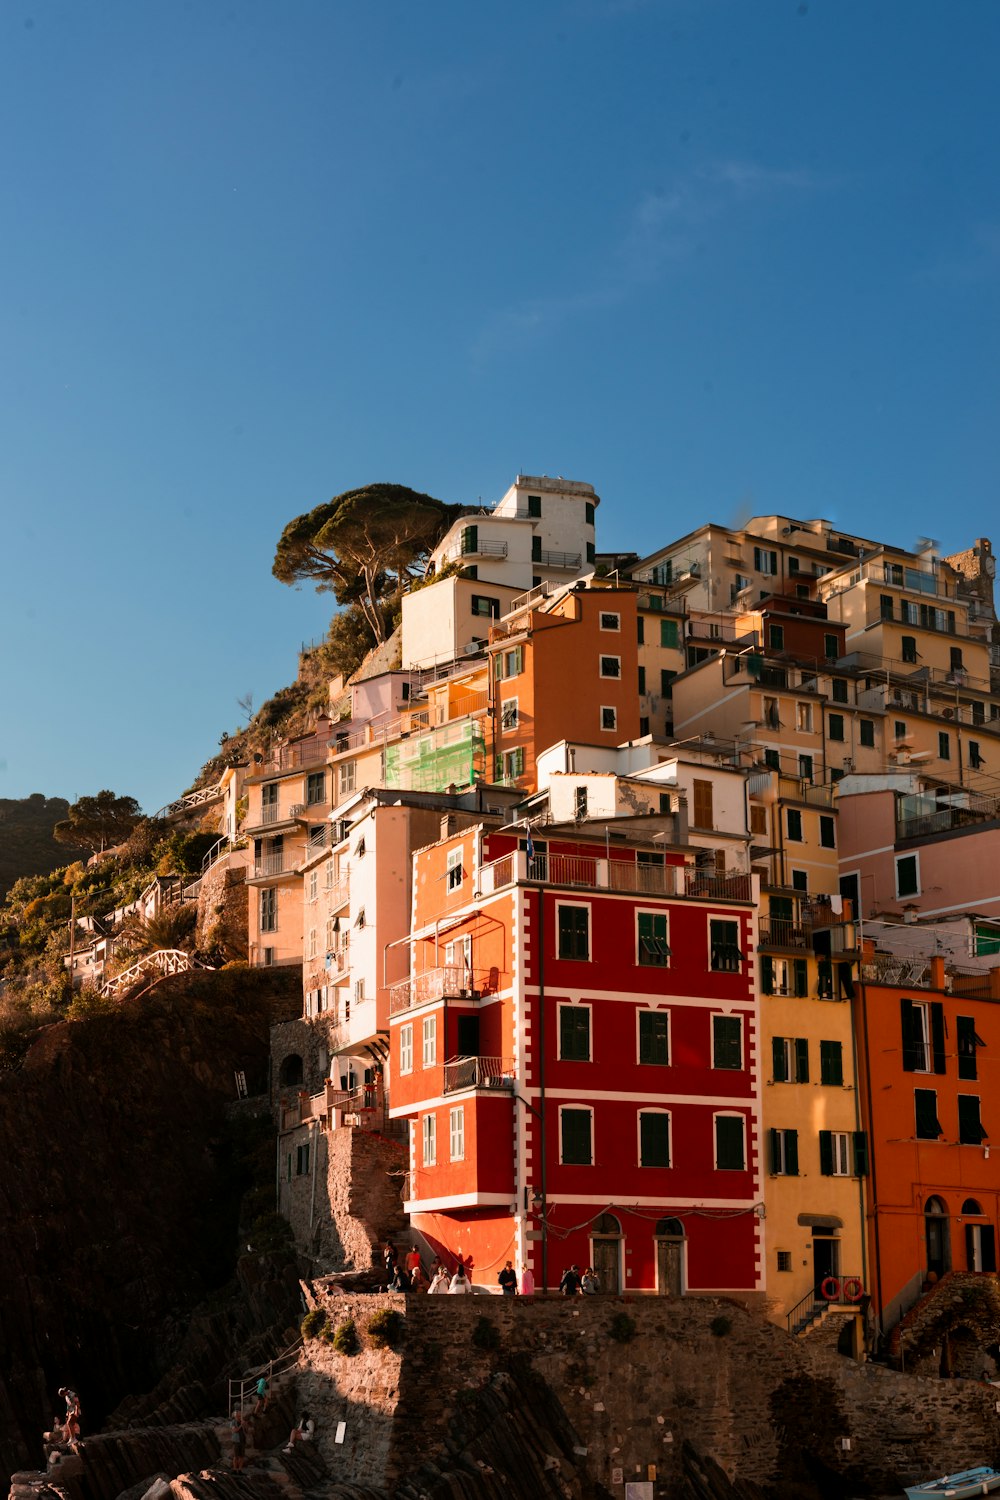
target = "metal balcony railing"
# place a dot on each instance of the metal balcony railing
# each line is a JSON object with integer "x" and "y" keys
{"x": 432, "y": 984}
{"x": 779, "y": 933}
{"x": 616, "y": 875}
{"x": 478, "y": 1073}
{"x": 271, "y": 864}
{"x": 558, "y": 559}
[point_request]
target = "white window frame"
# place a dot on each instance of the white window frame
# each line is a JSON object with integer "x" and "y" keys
{"x": 359, "y": 991}
{"x": 406, "y": 1048}
{"x": 507, "y": 760}
{"x": 509, "y": 717}
{"x": 730, "y": 1114}
{"x": 612, "y": 728}
{"x": 428, "y": 1131}
{"x": 804, "y": 718}
{"x": 456, "y": 870}
{"x": 313, "y": 886}
{"x": 311, "y": 944}
{"x": 268, "y": 897}
{"x": 587, "y": 1109}
{"x": 651, "y": 911}
{"x": 899, "y": 858}
{"x": 428, "y": 1038}
{"x": 456, "y": 1132}
{"x": 611, "y": 676}
{"x": 780, "y": 1168}
{"x": 346, "y": 777}
{"x": 653, "y": 1010}
{"x": 840, "y": 1148}
{"x": 654, "y": 1110}
{"x": 574, "y": 1006}
{"x": 612, "y": 616}
{"x": 926, "y": 1041}
{"x": 728, "y": 1015}
{"x": 586, "y": 906}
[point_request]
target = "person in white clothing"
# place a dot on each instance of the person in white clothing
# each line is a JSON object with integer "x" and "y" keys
{"x": 460, "y": 1282}
{"x": 439, "y": 1286}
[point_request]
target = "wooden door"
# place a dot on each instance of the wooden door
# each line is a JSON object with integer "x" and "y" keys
{"x": 670, "y": 1267}
{"x": 607, "y": 1257}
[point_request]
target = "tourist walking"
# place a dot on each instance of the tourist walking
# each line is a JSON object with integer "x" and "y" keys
{"x": 508, "y": 1280}
{"x": 74, "y": 1415}
{"x": 570, "y": 1286}
{"x": 239, "y": 1439}
{"x": 590, "y": 1282}
{"x": 261, "y": 1393}
{"x": 460, "y": 1283}
{"x": 439, "y": 1283}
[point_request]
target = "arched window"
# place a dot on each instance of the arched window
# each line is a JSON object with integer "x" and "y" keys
{"x": 935, "y": 1206}
{"x": 606, "y": 1224}
{"x": 290, "y": 1072}
{"x": 970, "y": 1206}
{"x": 669, "y": 1229}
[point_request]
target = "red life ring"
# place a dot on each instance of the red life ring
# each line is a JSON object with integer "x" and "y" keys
{"x": 853, "y": 1290}
{"x": 830, "y": 1288}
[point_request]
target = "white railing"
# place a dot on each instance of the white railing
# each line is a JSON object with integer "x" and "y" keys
{"x": 478, "y": 1073}
{"x": 163, "y": 961}
{"x": 192, "y": 799}
{"x": 432, "y": 984}
{"x": 615, "y": 875}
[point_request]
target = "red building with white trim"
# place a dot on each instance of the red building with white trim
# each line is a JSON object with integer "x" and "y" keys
{"x": 576, "y": 1049}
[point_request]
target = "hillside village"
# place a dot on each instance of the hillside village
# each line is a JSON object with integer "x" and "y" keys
{"x": 647, "y": 920}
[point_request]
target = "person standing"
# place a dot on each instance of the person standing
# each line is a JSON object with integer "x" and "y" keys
{"x": 439, "y": 1285}
{"x": 239, "y": 1439}
{"x": 460, "y": 1283}
{"x": 508, "y": 1280}
{"x": 570, "y": 1285}
{"x": 590, "y": 1282}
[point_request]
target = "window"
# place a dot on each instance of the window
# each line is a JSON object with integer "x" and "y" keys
{"x": 611, "y": 622}
{"x": 806, "y": 767}
{"x": 730, "y": 1154}
{"x": 968, "y": 1042}
{"x": 758, "y": 818}
{"x": 727, "y": 1042}
{"x": 269, "y": 910}
{"x": 765, "y": 561}
{"x": 668, "y": 633}
{"x": 311, "y": 943}
{"x": 508, "y": 713}
{"x": 772, "y": 758}
{"x": 640, "y": 629}
{"x": 703, "y": 811}
{"x": 535, "y": 506}
{"x": 790, "y": 1059}
{"x": 486, "y": 606}
{"x": 723, "y": 944}
{"x": 430, "y": 1140}
{"x": 772, "y": 717}
{"x": 654, "y": 1138}
{"x": 835, "y": 727}
{"x": 784, "y": 1260}
{"x": 642, "y": 680}
{"x": 301, "y": 1161}
{"x": 838, "y": 690}
{"x": 835, "y": 1153}
{"x": 654, "y": 1037}
{"x": 922, "y": 1028}
{"x": 667, "y": 683}
{"x": 510, "y": 663}
{"x": 776, "y": 637}
{"x": 429, "y": 1032}
{"x": 574, "y": 1033}
{"x": 591, "y": 552}
{"x": 315, "y": 787}
{"x": 312, "y": 885}
{"x": 359, "y": 991}
{"x": 576, "y": 1137}
{"x": 800, "y": 880}
{"x": 784, "y": 1153}
{"x": 975, "y": 755}
{"x": 609, "y": 718}
{"x": 899, "y": 730}
{"x": 573, "y": 924}
{"x": 827, "y": 831}
{"x": 944, "y": 746}
{"x": 611, "y": 666}
{"x": 909, "y": 612}
{"x": 970, "y": 1125}
{"x": 346, "y": 778}
{"x": 928, "y": 1126}
{"x": 793, "y": 825}
{"x": 456, "y": 1133}
{"x": 652, "y": 938}
{"x": 580, "y": 801}
{"x": 885, "y": 606}
{"x": 804, "y": 718}
{"x": 866, "y": 732}
{"x": 831, "y": 1064}
{"x": 470, "y": 539}
{"x": 588, "y": 513}
{"x": 792, "y": 563}
{"x": 908, "y": 875}
{"x": 909, "y": 647}
{"x": 831, "y": 648}
{"x": 406, "y": 1049}
{"x": 456, "y": 872}
{"x": 510, "y": 765}
{"x": 359, "y": 920}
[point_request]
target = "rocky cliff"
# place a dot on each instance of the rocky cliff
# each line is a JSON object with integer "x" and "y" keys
{"x": 120, "y": 1194}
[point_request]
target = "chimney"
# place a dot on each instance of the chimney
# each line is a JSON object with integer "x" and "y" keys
{"x": 937, "y": 972}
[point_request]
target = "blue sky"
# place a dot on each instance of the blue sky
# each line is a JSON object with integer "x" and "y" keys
{"x": 713, "y": 257}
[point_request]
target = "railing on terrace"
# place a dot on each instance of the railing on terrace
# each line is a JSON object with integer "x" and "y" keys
{"x": 432, "y": 984}
{"x": 923, "y": 825}
{"x": 892, "y": 968}
{"x": 615, "y": 875}
{"x": 482, "y": 548}
{"x": 909, "y": 673}
{"x": 338, "y": 893}
{"x": 163, "y": 961}
{"x": 291, "y": 757}
{"x": 272, "y": 864}
{"x": 191, "y": 799}
{"x": 478, "y": 1073}
{"x": 911, "y": 579}
{"x": 558, "y": 559}
{"x": 779, "y": 933}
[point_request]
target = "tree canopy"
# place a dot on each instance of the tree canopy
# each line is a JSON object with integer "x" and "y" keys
{"x": 364, "y": 546}
{"x": 98, "y": 822}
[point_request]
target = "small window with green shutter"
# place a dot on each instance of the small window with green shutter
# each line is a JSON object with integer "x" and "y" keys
{"x": 835, "y": 727}
{"x": 831, "y": 1064}
{"x": 574, "y": 1033}
{"x": 968, "y": 1042}
{"x": 576, "y": 1130}
{"x": 536, "y": 549}
{"x": 727, "y": 1042}
{"x": 784, "y": 1153}
{"x": 928, "y": 1126}
{"x": 652, "y": 938}
{"x": 668, "y": 633}
{"x": 574, "y": 931}
{"x": 860, "y": 1153}
{"x": 730, "y": 1153}
{"x": 970, "y": 1125}
{"x": 654, "y": 1139}
{"x": 866, "y": 732}
{"x": 534, "y": 506}
{"x": 831, "y": 647}
{"x": 800, "y": 978}
{"x": 654, "y": 1037}
{"x": 588, "y": 513}
{"x": 838, "y": 690}
{"x": 725, "y": 955}
{"x": 793, "y": 825}
{"x": 767, "y": 974}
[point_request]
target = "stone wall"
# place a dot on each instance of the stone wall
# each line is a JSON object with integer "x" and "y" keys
{"x": 953, "y": 1330}
{"x": 222, "y": 908}
{"x": 355, "y": 1202}
{"x": 769, "y": 1409}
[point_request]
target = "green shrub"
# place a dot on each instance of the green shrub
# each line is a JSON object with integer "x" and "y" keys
{"x": 346, "y": 1340}
{"x": 485, "y": 1335}
{"x": 622, "y": 1328}
{"x": 313, "y": 1323}
{"x": 269, "y": 1232}
{"x": 387, "y": 1328}
{"x": 721, "y": 1325}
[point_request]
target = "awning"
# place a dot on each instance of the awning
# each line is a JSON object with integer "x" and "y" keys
{"x": 821, "y": 1221}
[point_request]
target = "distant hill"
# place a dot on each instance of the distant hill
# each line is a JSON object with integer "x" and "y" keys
{"x": 26, "y": 843}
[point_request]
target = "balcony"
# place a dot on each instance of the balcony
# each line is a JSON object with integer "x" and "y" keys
{"x": 432, "y": 984}
{"x": 674, "y": 881}
{"x": 272, "y": 864}
{"x": 478, "y": 1073}
{"x": 479, "y": 548}
{"x": 910, "y": 577}
{"x": 786, "y": 935}
{"x": 337, "y": 893}
{"x": 568, "y": 560}
{"x": 921, "y": 817}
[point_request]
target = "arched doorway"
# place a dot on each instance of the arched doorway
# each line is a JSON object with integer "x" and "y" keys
{"x": 980, "y": 1242}
{"x": 670, "y": 1240}
{"x": 606, "y": 1252}
{"x": 290, "y": 1072}
{"x": 936, "y": 1236}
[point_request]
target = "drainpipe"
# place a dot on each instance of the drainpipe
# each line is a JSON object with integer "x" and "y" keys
{"x": 314, "y": 1142}
{"x": 876, "y": 1248}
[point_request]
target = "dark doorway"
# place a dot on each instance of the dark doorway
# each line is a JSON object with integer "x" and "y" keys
{"x": 826, "y": 1258}
{"x": 936, "y": 1237}
{"x": 606, "y": 1252}
{"x": 468, "y": 1036}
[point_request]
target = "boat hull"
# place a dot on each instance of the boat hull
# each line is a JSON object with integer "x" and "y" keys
{"x": 961, "y": 1486}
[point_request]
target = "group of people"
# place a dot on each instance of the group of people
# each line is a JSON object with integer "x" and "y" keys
{"x": 576, "y": 1284}
{"x": 67, "y": 1432}
{"x": 408, "y": 1274}
{"x": 241, "y": 1424}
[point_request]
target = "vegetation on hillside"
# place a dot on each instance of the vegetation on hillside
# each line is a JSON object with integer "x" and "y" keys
{"x": 95, "y": 823}
{"x": 27, "y": 846}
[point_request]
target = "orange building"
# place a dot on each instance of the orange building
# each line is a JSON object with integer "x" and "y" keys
{"x": 928, "y": 1043}
{"x": 565, "y": 667}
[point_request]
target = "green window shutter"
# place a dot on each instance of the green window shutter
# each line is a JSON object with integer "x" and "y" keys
{"x": 937, "y": 1036}
{"x": 574, "y": 932}
{"x": 576, "y": 1141}
{"x": 767, "y": 973}
{"x": 726, "y": 1039}
{"x": 729, "y": 1143}
{"x": 536, "y": 549}
{"x": 779, "y": 1068}
{"x": 800, "y": 971}
{"x": 801, "y": 1059}
{"x": 826, "y": 1153}
{"x": 668, "y": 633}
{"x": 831, "y": 1063}
{"x": 652, "y": 932}
{"x": 925, "y": 1110}
{"x": 470, "y": 539}
{"x": 860, "y": 1154}
{"x": 791, "y": 1153}
{"x": 970, "y": 1127}
{"x": 653, "y": 1040}
{"x": 574, "y": 1033}
{"x": 642, "y": 679}
{"x": 967, "y": 1041}
{"x": 654, "y": 1140}
{"x": 774, "y": 1137}
{"x": 911, "y": 1043}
